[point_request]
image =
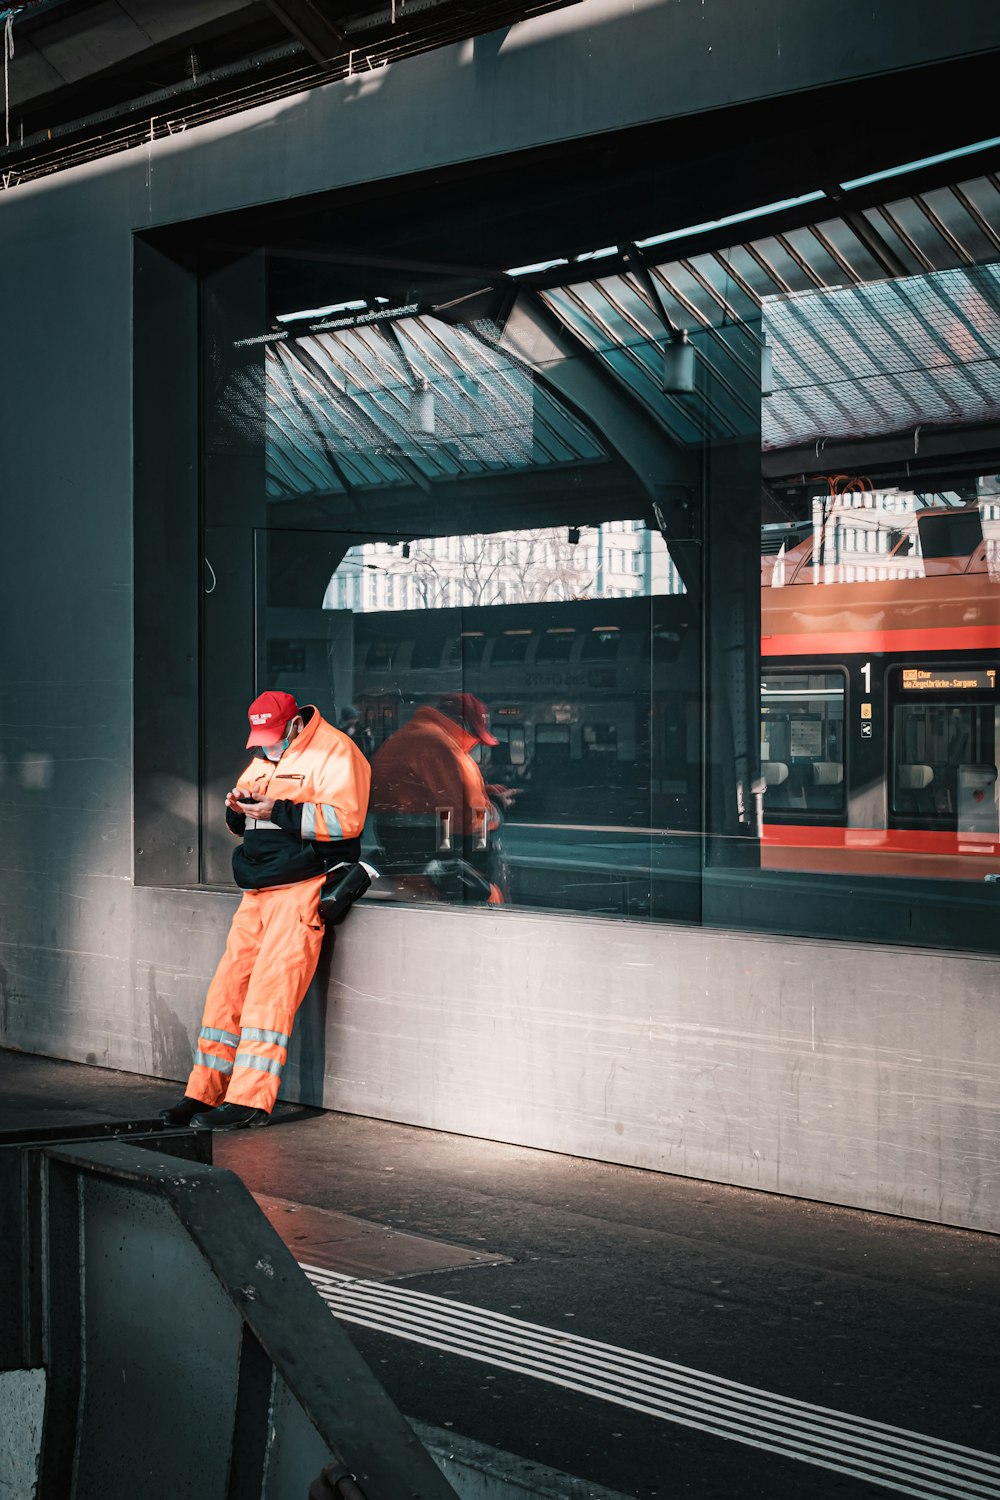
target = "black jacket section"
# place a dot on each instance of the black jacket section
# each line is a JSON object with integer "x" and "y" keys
{"x": 271, "y": 856}
{"x": 288, "y": 815}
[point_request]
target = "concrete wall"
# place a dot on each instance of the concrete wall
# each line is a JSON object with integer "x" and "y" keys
{"x": 857, "y": 1075}
{"x": 866, "y": 1079}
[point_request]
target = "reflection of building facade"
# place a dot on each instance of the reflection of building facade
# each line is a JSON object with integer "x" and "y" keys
{"x": 874, "y": 535}
{"x": 613, "y": 560}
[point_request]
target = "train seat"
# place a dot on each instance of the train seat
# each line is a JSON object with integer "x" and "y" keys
{"x": 914, "y": 778}
{"x": 827, "y": 773}
{"x": 777, "y": 791}
{"x": 915, "y": 792}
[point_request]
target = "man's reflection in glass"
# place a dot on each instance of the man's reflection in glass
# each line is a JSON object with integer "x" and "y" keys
{"x": 437, "y": 821}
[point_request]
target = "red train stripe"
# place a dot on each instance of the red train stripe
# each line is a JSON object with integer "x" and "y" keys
{"x": 842, "y": 643}
{"x": 882, "y": 840}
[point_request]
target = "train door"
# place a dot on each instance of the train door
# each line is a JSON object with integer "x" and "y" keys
{"x": 943, "y": 750}
{"x": 802, "y": 744}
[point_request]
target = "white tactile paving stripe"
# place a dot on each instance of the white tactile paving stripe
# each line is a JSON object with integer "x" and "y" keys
{"x": 907, "y": 1462}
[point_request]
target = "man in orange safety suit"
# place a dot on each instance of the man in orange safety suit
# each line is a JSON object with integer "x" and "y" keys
{"x": 430, "y": 797}
{"x": 300, "y": 807}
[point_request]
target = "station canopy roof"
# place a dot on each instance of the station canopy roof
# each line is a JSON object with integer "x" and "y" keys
{"x": 881, "y": 320}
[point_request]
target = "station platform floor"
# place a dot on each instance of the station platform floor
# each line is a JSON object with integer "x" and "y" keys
{"x": 649, "y": 1334}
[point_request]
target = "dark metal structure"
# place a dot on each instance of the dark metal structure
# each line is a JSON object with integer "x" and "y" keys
{"x": 87, "y": 78}
{"x": 184, "y": 1351}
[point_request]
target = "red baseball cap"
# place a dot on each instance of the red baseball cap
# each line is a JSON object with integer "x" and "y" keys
{"x": 268, "y": 716}
{"x": 474, "y": 712}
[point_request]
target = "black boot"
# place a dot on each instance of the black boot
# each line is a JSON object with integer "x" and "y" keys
{"x": 183, "y": 1111}
{"x": 231, "y": 1117}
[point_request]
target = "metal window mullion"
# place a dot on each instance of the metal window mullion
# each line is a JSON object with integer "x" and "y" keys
{"x": 287, "y": 456}
{"x": 834, "y": 253}
{"x": 299, "y": 459}
{"x": 434, "y": 361}
{"x": 758, "y": 255}
{"x": 734, "y": 275}
{"x": 976, "y": 215}
{"x": 495, "y": 369}
{"x": 324, "y": 402}
{"x": 919, "y": 255}
{"x": 563, "y": 414}
{"x": 715, "y": 334}
{"x": 730, "y": 314}
{"x": 397, "y": 431}
{"x": 355, "y": 369}
{"x": 942, "y": 229}
{"x": 379, "y": 431}
{"x": 296, "y": 366}
{"x": 801, "y": 262}
{"x": 634, "y": 391}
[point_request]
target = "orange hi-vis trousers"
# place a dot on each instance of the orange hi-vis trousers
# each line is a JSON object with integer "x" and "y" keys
{"x": 270, "y": 959}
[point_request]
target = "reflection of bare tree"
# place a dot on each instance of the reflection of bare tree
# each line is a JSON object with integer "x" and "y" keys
{"x": 510, "y": 567}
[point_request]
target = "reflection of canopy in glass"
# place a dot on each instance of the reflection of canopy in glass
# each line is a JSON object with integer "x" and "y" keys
{"x": 425, "y": 402}
{"x": 866, "y": 360}
{"x": 879, "y": 321}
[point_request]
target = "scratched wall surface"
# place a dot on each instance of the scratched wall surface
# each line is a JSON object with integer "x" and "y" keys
{"x": 854, "y": 1075}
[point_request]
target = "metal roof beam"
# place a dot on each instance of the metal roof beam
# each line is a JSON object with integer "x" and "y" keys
{"x": 310, "y": 24}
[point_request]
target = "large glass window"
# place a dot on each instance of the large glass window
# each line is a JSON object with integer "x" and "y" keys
{"x": 730, "y": 619}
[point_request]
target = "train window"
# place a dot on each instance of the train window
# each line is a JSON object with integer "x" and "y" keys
{"x": 802, "y": 743}
{"x": 510, "y": 751}
{"x": 551, "y": 742}
{"x": 428, "y": 647}
{"x": 511, "y": 646}
{"x": 382, "y": 655}
{"x": 601, "y": 643}
{"x": 556, "y": 644}
{"x": 473, "y": 646}
{"x": 944, "y": 756}
{"x": 661, "y": 645}
{"x": 600, "y": 739}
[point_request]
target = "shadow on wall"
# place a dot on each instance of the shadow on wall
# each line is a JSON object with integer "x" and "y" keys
{"x": 169, "y": 1039}
{"x": 305, "y": 1070}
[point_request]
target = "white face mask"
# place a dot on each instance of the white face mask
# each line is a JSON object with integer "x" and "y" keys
{"x": 275, "y": 752}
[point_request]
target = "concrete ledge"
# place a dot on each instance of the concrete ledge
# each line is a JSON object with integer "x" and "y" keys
{"x": 479, "y": 1472}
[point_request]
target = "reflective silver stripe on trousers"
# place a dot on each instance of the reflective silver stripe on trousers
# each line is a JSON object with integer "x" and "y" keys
{"x": 217, "y": 1064}
{"x": 261, "y": 1064}
{"x": 254, "y": 1034}
{"x": 211, "y": 1035}
{"x": 333, "y": 827}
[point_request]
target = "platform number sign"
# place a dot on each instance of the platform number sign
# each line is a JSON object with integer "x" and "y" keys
{"x": 866, "y": 707}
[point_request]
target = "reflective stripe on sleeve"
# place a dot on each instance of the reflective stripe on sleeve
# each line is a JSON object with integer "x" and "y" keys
{"x": 217, "y": 1064}
{"x": 261, "y": 1064}
{"x": 211, "y": 1035}
{"x": 333, "y": 828}
{"x": 254, "y": 1034}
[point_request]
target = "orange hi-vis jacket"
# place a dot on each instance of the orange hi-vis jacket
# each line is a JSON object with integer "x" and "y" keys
{"x": 321, "y": 787}
{"x": 425, "y": 767}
